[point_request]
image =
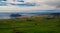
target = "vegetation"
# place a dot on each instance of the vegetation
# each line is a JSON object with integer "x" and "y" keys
{"x": 30, "y": 25}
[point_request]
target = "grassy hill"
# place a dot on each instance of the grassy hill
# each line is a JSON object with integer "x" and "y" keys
{"x": 30, "y": 25}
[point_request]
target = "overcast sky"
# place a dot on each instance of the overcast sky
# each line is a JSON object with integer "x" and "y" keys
{"x": 44, "y": 5}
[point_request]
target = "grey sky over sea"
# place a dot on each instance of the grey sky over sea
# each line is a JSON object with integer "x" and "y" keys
{"x": 28, "y": 6}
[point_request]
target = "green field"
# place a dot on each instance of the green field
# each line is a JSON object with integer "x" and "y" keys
{"x": 30, "y": 25}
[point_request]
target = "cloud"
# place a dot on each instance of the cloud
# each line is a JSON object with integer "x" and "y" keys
{"x": 23, "y": 9}
{"x": 54, "y": 3}
{"x": 44, "y": 5}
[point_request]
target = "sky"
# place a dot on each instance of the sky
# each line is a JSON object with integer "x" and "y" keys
{"x": 43, "y": 5}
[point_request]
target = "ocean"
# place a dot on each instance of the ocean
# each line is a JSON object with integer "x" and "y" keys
{"x": 6, "y": 15}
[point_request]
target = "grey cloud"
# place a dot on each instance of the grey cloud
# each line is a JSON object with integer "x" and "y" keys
{"x": 54, "y": 3}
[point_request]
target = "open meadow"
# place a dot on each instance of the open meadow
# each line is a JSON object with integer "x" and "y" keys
{"x": 30, "y": 25}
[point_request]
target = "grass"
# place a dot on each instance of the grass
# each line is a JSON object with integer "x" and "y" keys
{"x": 30, "y": 25}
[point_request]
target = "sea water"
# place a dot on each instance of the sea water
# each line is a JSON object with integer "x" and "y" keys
{"x": 6, "y": 15}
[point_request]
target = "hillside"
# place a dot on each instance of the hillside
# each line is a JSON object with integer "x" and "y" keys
{"x": 30, "y": 25}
